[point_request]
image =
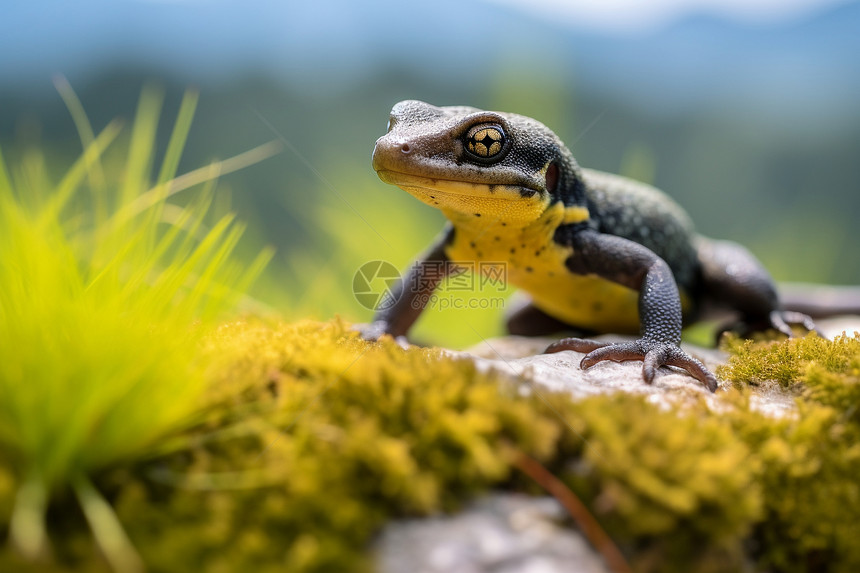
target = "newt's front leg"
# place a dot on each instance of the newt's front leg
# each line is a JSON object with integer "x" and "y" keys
{"x": 634, "y": 266}
{"x": 411, "y": 294}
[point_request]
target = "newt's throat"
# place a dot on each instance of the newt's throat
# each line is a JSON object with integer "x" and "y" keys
{"x": 510, "y": 203}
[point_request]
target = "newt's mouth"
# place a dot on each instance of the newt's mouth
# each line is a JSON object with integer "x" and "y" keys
{"x": 411, "y": 182}
{"x": 511, "y": 203}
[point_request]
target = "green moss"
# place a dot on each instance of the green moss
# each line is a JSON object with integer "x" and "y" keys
{"x": 811, "y": 461}
{"x": 811, "y": 497}
{"x": 309, "y": 440}
{"x": 317, "y": 438}
{"x": 787, "y": 361}
{"x": 676, "y": 488}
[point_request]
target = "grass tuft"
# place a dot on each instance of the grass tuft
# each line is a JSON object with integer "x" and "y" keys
{"x": 101, "y": 309}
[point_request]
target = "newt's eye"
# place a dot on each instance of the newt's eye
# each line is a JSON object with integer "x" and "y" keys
{"x": 485, "y": 141}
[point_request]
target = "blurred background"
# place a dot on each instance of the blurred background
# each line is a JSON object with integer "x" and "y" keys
{"x": 746, "y": 112}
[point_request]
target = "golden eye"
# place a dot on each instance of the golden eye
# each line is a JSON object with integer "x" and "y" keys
{"x": 485, "y": 141}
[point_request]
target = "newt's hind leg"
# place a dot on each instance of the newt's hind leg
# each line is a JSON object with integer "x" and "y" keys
{"x": 733, "y": 278}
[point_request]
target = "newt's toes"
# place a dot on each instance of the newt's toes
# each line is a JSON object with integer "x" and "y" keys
{"x": 614, "y": 352}
{"x": 653, "y": 355}
{"x": 782, "y": 319}
{"x": 695, "y": 369}
{"x": 575, "y": 344}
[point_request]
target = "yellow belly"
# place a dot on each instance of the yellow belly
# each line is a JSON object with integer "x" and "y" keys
{"x": 588, "y": 302}
{"x": 535, "y": 264}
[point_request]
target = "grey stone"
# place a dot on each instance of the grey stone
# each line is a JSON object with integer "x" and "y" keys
{"x": 521, "y": 358}
{"x": 501, "y": 533}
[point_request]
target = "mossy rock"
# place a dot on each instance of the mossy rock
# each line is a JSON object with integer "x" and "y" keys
{"x": 310, "y": 440}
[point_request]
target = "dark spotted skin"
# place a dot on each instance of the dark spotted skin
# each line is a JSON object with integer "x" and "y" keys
{"x": 626, "y": 208}
{"x": 594, "y": 240}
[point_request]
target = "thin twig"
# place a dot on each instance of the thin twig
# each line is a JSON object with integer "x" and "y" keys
{"x": 586, "y": 522}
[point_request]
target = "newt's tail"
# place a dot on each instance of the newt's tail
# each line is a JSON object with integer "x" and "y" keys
{"x": 820, "y": 301}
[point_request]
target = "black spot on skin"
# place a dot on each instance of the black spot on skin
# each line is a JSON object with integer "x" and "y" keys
{"x": 523, "y": 246}
{"x": 597, "y": 306}
{"x": 513, "y": 250}
{"x": 551, "y": 273}
{"x": 477, "y": 214}
{"x": 529, "y": 269}
{"x": 480, "y": 254}
{"x": 537, "y": 253}
{"x": 504, "y": 224}
{"x": 552, "y": 178}
{"x": 498, "y": 238}
{"x": 432, "y": 196}
{"x": 472, "y": 244}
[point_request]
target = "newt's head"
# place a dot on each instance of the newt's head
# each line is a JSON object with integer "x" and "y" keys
{"x": 464, "y": 160}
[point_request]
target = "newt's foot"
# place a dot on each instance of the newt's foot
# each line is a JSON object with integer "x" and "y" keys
{"x": 373, "y": 331}
{"x": 779, "y": 320}
{"x": 653, "y": 354}
{"x": 783, "y": 319}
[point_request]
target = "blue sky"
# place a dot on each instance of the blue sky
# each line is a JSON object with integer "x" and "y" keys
{"x": 638, "y": 15}
{"x": 787, "y": 58}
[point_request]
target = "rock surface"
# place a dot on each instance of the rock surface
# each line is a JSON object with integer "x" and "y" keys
{"x": 561, "y": 372}
{"x": 503, "y": 533}
{"x": 521, "y": 357}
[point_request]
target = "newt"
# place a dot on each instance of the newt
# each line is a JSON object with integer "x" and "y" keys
{"x": 594, "y": 252}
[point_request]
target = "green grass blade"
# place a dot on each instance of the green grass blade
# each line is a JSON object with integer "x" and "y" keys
{"x": 27, "y": 530}
{"x": 70, "y": 182}
{"x": 168, "y": 167}
{"x": 108, "y": 531}
{"x": 255, "y": 269}
{"x": 5, "y": 181}
{"x": 142, "y": 144}
{"x": 148, "y": 199}
{"x": 178, "y": 137}
{"x": 87, "y": 136}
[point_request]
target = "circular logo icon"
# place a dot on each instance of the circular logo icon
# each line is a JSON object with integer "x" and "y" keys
{"x": 373, "y": 285}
